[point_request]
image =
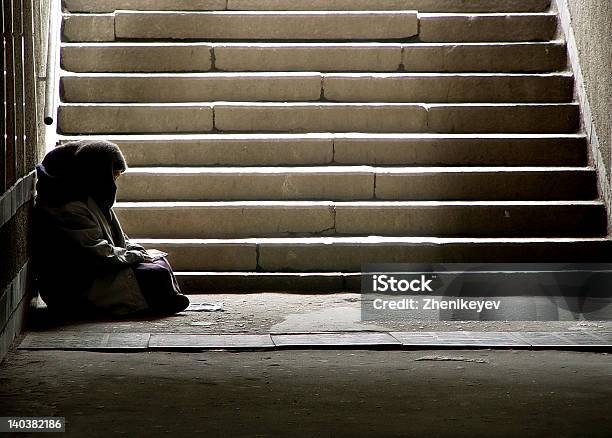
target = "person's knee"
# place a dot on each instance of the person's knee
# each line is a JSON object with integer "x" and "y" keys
{"x": 154, "y": 268}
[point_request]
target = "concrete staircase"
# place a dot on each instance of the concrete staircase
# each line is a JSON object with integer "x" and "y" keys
{"x": 280, "y": 144}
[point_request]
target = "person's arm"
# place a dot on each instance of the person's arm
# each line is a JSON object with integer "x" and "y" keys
{"x": 132, "y": 245}
{"x": 128, "y": 243}
{"x": 79, "y": 226}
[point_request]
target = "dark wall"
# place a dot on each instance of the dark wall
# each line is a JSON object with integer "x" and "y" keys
{"x": 21, "y": 148}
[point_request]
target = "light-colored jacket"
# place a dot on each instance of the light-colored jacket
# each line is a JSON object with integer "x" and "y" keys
{"x": 114, "y": 289}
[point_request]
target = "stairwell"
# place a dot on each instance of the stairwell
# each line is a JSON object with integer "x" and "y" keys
{"x": 280, "y": 144}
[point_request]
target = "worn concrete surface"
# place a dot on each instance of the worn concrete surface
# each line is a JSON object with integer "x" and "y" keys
{"x": 314, "y": 393}
{"x": 292, "y": 313}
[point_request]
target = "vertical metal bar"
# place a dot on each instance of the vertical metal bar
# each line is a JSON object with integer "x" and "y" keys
{"x": 52, "y": 51}
{"x": 10, "y": 93}
{"x": 19, "y": 90}
{"x": 3, "y": 110}
{"x": 29, "y": 73}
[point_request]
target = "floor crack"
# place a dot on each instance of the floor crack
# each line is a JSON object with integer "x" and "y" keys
{"x": 333, "y": 140}
{"x": 374, "y": 193}
{"x": 257, "y": 266}
{"x": 213, "y": 59}
{"x": 214, "y": 121}
{"x": 322, "y": 93}
{"x": 334, "y": 212}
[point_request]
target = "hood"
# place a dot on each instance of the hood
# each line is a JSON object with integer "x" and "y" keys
{"x": 77, "y": 170}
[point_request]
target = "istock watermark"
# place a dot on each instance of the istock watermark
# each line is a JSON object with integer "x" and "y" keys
{"x": 487, "y": 292}
{"x": 388, "y": 283}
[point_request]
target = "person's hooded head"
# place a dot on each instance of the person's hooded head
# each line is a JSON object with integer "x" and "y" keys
{"x": 80, "y": 169}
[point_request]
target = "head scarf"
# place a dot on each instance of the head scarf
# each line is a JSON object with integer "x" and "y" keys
{"x": 80, "y": 169}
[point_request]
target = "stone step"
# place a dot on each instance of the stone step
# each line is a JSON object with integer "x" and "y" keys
{"x": 191, "y": 87}
{"x": 309, "y": 25}
{"x": 236, "y": 281}
{"x": 447, "y": 87}
{"x": 339, "y": 87}
{"x": 417, "y": 5}
{"x": 396, "y": 117}
{"x": 323, "y": 57}
{"x": 201, "y": 220}
{"x": 136, "y": 57}
{"x": 487, "y": 27}
{"x": 134, "y": 118}
{"x": 347, "y": 183}
{"x": 88, "y": 27}
{"x": 143, "y": 5}
{"x": 485, "y": 57}
{"x": 197, "y": 117}
{"x": 306, "y": 5}
{"x": 502, "y": 178}
{"x": 352, "y": 149}
{"x": 347, "y": 254}
{"x": 266, "y": 25}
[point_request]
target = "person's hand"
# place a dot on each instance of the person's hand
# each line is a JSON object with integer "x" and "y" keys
{"x": 136, "y": 247}
{"x": 146, "y": 257}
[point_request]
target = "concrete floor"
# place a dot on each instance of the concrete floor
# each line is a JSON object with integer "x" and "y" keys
{"x": 314, "y": 393}
{"x": 309, "y": 392}
{"x": 291, "y": 313}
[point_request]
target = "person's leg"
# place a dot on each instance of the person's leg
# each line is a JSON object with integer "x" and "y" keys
{"x": 159, "y": 287}
{"x": 164, "y": 262}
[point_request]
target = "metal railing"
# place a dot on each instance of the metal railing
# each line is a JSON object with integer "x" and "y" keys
{"x": 55, "y": 15}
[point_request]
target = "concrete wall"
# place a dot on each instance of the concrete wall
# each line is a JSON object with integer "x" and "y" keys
{"x": 587, "y": 27}
{"x": 20, "y": 153}
{"x": 591, "y": 22}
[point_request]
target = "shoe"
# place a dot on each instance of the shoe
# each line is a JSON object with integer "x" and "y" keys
{"x": 169, "y": 305}
{"x": 177, "y": 303}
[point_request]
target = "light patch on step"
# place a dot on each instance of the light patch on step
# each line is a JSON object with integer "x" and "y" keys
{"x": 374, "y": 240}
{"x": 161, "y": 341}
{"x": 334, "y": 339}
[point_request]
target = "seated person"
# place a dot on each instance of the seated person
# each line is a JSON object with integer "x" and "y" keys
{"x": 83, "y": 261}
